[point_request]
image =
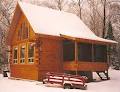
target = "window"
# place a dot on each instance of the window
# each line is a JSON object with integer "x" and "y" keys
{"x": 23, "y": 32}
{"x": 15, "y": 58}
{"x": 31, "y": 53}
{"x": 84, "y": 52}
{"x": 68, "y": 50}
{"x": 22, "y": 54}
{"x": 100, "y": 53}
{"x": 19, "y": 33}
{"x": 26, "y": 32}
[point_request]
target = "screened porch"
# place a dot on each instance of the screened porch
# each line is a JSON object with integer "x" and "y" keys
{"x": 84, "y": 56}
{"x": 83, "y": 52}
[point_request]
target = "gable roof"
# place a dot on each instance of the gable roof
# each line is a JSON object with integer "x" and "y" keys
{"x": 52, "y": 22}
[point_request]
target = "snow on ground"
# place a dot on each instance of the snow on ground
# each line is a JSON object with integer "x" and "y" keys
{"x": 9, "y": 85}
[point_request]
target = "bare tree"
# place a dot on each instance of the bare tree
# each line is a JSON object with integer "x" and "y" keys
{"x": 54, "y": 4}
{"x": 45, "y": 3}
{"x": 105, "y": 14}
{"x": 115, "y": 19}
{"x": 6, "y": 12}
{"x": 60, "y": 4}
{"x": 80, "y": 8}
{"x": 76, "y": 7}
{"x": 104, "y": 2}
{"x": 99, "y": 15}
{"x": 95, "y": 14}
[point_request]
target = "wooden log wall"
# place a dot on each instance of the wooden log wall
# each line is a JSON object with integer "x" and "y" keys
{"x": 50, "y": 58}
{"x": 26, "y": 70}
{"x": 85, "y": 66}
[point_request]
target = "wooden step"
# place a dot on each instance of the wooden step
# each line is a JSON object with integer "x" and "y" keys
{"x": 103, "y": 75}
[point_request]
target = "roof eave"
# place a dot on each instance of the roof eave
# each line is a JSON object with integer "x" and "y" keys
{"x": 107, "y": 42}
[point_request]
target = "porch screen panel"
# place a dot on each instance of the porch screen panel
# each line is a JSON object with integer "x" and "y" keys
{"x": 84, "y": 52}
{"x": 100, "y": 53}
{"x": 68, "y": 50}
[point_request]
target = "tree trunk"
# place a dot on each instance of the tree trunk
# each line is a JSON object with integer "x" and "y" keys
{"x": 104, "y": 19}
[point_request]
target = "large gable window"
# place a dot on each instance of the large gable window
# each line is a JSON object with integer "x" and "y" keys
{"x": 22, "y": 54}
{"x": 23, "y": 31}
{"x": 31, "y": 53}
{"x": 15, "y": 58}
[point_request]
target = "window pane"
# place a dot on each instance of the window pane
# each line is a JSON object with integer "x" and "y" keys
{"x": 31, "y": 50}
{"x": 19, "y": 34}
{"x": 68, "y": 50}
{"x": 22, "y": 53}
{"x": 31, "y": 53}
{"x": 84, "y": 52}
{"x": 23, "y": 30}
{"x": 100, "y": 53}
{"x": 26, "y": 32}
{"x": 15, "y": 53}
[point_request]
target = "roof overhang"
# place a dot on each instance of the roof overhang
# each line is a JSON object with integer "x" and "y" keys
{"x": 105, "y": 41}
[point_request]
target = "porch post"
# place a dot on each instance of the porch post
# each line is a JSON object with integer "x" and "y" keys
{"x": 108, "y": 55}
{"x": 76, "y": 56}
{"x": 92, "y": 52}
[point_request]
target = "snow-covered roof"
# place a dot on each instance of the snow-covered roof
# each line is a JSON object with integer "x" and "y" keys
{"x": 52, "y": 22}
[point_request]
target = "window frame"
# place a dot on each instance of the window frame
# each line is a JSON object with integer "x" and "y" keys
{"x": 31, "y": 59}
{"x": 15, "y": 60}
{"x": 22, "y": 59}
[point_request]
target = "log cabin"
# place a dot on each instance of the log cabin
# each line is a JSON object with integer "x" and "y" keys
{"x": 45, "y": 40}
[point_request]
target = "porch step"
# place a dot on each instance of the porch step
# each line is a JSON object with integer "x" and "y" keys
{"x": 103, "y": 75}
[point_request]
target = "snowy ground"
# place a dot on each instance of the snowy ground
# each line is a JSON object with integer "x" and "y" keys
{"x": 9, "y": 85}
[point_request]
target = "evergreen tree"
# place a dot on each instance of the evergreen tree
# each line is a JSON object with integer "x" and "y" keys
{"x": 112, "y": 49}
{"x": 110, "y": 35}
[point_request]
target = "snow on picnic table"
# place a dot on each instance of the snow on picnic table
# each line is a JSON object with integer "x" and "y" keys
{"x": 9, "y": 85}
